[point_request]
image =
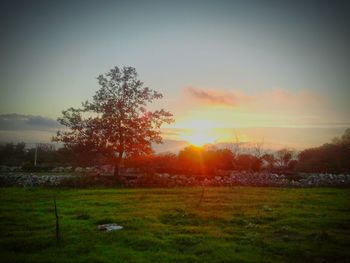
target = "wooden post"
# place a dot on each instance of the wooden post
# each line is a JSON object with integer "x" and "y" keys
{"x": 36, "y": 154}
{"x": 202, "y": 195}
{"x": 57, "y": 223}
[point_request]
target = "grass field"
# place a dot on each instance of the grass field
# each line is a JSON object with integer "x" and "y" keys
{"x": 240, "y": 224}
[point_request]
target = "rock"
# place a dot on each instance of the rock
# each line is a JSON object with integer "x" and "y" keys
{"x": 109, "y": 227}
{"x": 217, "y": 178}
{"x": 132, "y": 170}
{"x": 58, "y": 170}
{"x": 164, "y": 175}
{"x": 13, "y": 168}
{"x": 266, "y": 208}
{"x": 78, "y": 170}
{"x": 89, "y": 169}
{"x": 106, "y": 168}
{"x": 68, "y": 169}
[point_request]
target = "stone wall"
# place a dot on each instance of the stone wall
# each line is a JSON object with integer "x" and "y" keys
{"x": 28, "y": 179}
{"x": 136, "y": 179}
{"x": 245, "y": 179}
{"x": 62, "y": 169}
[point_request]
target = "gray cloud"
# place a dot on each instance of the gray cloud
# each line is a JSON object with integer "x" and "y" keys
{"x": 20, "y": 122}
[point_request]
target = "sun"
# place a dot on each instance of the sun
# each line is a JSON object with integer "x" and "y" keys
{"x": 200, "y": 132}
{"x": 198, "y": 139}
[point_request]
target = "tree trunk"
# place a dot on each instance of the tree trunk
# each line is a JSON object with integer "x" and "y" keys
{"x": 116, "y": 169}
{"x": 117, "y": 164}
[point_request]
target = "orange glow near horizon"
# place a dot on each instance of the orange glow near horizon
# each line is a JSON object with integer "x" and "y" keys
{"x": 200, "y": 132}
{"x": 199, "y": 139}
{"x": 207, "y": 125}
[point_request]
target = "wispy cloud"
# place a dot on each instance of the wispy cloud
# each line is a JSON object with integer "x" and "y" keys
{"x": 275, "y": 99}
{"x": 212, "y": 96}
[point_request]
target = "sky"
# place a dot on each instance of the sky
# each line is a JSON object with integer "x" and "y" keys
{"x": 272, "y": 71}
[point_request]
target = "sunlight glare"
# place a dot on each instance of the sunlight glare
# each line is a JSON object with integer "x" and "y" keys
{"x": 201, "y": 132}
{"x": 199, "y": 139}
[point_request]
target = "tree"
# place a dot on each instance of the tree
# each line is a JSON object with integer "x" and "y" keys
{"x": 270, "y": 159}
{"x": 160, "y": 163}
{"x": 248, "y": 162}
{"x": 344, "y": 139}
{"x": 331, "y": 157}
{"x": 12, "y": 154}
{"x": 115, "y": 122}
{"x": 192, "y": 160}
{"x": 205, "y": 160}
{"x": 284, "y": 156}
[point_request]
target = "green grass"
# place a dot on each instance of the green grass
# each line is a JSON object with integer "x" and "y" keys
{"x": 239, "y": 224}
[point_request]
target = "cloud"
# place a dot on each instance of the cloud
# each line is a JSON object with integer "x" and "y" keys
{"x": 212, "y": 97}
{"x": 27, "y": 128}
{"x": 272, "y": 99}
{"x": 20, "y": 122}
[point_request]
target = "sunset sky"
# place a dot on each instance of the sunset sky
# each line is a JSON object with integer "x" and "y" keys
{"x": 272, "y": 71}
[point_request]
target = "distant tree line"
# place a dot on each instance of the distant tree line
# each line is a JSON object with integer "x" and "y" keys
{"x": 210, "y": 159}
{"x": 331, "y": 157}
{"x": 43, "y": 156}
